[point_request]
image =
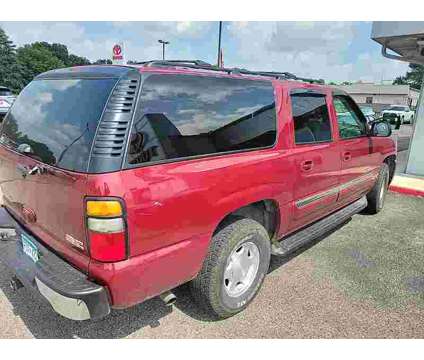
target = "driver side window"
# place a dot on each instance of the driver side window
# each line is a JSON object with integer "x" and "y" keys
{"x": 350, "y": 123}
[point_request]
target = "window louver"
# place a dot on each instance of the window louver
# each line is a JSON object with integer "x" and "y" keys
{"x": 112, "y": 131}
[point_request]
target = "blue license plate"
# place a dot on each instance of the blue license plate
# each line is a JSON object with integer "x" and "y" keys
{"x": 29, "y": 248}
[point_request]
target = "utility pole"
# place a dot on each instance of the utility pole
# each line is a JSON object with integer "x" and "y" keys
{"x": 163, "y": 47}
{"x": 219, "y": 44}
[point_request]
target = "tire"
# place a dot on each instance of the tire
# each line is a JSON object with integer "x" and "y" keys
{"x": 377, "y": 194}
{"x": 212, "y": 288}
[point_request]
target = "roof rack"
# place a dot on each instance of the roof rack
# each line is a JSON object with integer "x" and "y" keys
{"x": 199, "y": 64}
{"x": 175, "y": 63}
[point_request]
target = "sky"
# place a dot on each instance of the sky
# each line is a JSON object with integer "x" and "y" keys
{"x": 334, "y": 51}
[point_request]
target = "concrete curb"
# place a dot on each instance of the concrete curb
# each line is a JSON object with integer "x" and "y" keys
{"x": 408, "y": 185}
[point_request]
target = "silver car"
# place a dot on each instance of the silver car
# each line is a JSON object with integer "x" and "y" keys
{"x": 6, "y": 100}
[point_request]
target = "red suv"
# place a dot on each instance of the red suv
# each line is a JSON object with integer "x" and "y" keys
{"x": 122, "y": 182}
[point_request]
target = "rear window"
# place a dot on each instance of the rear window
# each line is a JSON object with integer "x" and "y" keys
{"x": 58, "y": 120}
{"x": 183, "y": 116}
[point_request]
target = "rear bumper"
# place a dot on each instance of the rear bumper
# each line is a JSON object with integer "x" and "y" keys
{"x": 66, "y": 289}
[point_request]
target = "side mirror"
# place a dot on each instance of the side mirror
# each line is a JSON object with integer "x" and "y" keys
{"x": 381, "y": 129}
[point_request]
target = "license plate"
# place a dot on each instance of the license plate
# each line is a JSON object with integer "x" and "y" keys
{"x": 29, "y": 248}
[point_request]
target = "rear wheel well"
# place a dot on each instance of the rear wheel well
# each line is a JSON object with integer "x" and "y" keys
{"x": 391, "y": 162}
{"x": 264, "y": 212}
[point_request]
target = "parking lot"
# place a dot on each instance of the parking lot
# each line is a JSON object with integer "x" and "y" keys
{"x": 365, "y": 280}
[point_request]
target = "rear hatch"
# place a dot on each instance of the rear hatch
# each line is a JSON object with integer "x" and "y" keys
{"x": 45, "y": 146}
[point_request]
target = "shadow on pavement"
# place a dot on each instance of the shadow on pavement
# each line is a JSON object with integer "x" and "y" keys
{"x": 187, "y": 306}
{"x": 43, "y": 322}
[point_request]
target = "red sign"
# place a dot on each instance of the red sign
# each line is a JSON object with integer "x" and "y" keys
{"x": 117, "y": 52}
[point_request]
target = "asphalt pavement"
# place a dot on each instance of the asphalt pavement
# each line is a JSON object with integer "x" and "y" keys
{"x": 364, "y": 280}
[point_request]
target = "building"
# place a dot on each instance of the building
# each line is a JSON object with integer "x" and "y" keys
{"x": 382, "y": 96}
{"x": 406, "y": 41}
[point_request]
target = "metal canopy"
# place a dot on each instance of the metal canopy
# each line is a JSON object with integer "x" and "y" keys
{"x": 405, "y": 38}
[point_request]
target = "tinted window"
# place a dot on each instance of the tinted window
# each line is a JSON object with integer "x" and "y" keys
{"x": 350, "y": 123}
{"x": 183, "y": 115}
{"x": 58, "y": 119}
{"x": 310, "y": 116}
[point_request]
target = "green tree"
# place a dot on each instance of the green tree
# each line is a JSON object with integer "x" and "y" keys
{"x": 413, "y": 77}
{"x": 102, "y": 61}
{"x": 10, "y": 73}
{"x": 74, "y": 60}
{"x": 61, "y": 52}
{"x": 36, "y": 58}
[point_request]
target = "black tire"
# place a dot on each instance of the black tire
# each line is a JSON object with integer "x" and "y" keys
{"x": 208, "y": 288}
{"x": 377, "y": 194}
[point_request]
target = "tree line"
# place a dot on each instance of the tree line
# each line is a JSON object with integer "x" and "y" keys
{"x": 414, "y": 77}
{"x": 19, "y": 65}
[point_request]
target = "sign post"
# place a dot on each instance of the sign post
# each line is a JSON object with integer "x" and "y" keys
{"x": 118, "y": 54}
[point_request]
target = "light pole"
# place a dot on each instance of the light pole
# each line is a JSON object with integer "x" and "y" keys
{"x": 219, "y": 62}
{"x": 163, "y": 47}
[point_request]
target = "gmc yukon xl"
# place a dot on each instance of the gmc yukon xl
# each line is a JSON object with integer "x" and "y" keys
{"x": 121, "y": 183}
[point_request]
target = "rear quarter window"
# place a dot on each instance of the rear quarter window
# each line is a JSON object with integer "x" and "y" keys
{"x": 58, "y": 120}
{"x": 183, "y": 116}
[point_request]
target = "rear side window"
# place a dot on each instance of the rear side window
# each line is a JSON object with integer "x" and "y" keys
{"x": 310, "y": 116}
{"x": 182, "y": 116}
{"x": 58, "y": 120}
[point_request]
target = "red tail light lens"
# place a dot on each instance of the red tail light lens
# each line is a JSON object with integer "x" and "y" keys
{"x": 107, "y": 233}
{"x": 107, "y": 247}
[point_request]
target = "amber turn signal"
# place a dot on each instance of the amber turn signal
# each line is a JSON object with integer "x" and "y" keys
{"x": 104, "y": 208}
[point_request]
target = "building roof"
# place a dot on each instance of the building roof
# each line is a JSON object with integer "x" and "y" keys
{"x": 375, "y": 89}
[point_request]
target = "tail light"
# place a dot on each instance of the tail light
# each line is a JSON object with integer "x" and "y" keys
{"x": 107, "y": 232}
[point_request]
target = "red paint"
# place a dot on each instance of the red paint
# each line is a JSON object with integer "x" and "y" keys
{"x": 173, "y": 209}
{"x": 406, "y": 191}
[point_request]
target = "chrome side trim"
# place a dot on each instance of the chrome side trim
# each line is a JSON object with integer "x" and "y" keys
{"x": 334, "y": 190}
{"x": 310, "y": 199}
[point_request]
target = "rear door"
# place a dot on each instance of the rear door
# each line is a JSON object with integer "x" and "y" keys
{"x": 45, "y": 144}
{"x": 359, "y": 167}
{"x": 316, "y": 156}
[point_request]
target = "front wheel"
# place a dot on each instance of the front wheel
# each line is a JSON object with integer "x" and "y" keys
{"x": 234, "y": 268}
{"x": 377, "y": 195}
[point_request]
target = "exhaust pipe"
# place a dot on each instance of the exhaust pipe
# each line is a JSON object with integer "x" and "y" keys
{"x": 168, "y": 298}
{"x": 15, "y": 284}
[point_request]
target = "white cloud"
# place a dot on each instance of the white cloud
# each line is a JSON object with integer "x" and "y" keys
{"x": 73, "y": 35}
{"x": 308, "y": 49}
{"x": 81, "y": 42}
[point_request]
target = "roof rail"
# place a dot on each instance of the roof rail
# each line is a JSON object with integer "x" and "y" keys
{"x": 175, "y": 63}
{"x": 199, "y": 64}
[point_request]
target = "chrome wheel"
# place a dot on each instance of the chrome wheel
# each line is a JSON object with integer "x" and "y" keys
{"x": 242, "y": 267}
{"x": 383, "y": 191}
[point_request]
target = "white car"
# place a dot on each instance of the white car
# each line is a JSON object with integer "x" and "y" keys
{"x": 6, "y": 100}
{"x": 404, "y": 113}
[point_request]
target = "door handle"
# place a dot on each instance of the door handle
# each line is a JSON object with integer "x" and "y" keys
{"x": 307, "y": 165}
{"x": 347, "y": 156}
